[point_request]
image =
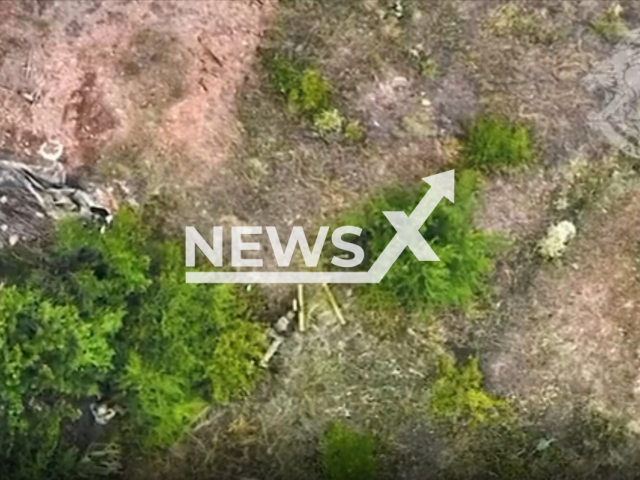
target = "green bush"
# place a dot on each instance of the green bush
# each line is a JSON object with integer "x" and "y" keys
{"x": 111, "y": 314}
{"x": 494, "y": 144}
{"x": 308, "y": 95}
{"x": 306, "y": 90}
{"x": 458, "y": 280}
{"x": 329, "y": 121}
{"x": 348, "y": 454}
{"x": 457, "y": 395}
{"x": 49, "y": 356}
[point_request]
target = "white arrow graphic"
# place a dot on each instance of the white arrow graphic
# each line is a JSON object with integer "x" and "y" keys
{"x": 408, "y": 235}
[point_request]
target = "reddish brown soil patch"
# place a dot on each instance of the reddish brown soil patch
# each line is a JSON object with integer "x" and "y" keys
{"x": 93, "y": 73}
{"x": 91, "y": 118}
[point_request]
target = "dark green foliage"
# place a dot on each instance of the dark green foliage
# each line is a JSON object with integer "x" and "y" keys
{"x": 348, "y": 454}
{"x": 111, "y": 313}
{"x": 49, "y": 356}
{"x": 494, "y": 144}
{"x": 465, "y": 253}
{"x": 306, "y": 90}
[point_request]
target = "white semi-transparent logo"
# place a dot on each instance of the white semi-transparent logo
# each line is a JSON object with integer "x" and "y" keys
{"x": 407, "y": 235}
{"x": 618, "y": 78}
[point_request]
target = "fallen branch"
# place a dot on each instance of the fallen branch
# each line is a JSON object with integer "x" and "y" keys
{"x": 271, "y": 351}
{"x": 301, "y": 319}
{"x": 334, "y": 304}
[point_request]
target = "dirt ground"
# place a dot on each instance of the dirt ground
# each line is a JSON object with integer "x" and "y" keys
{"x": 576, "y": 338}
{"x": 171, "y": 95}
{"x": 94, "y": 74}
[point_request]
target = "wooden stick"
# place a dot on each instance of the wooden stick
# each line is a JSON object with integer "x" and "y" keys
{"x": 271, "y": 351}
{"x": 334, "y": 304}
{"x": 301, "y": 319}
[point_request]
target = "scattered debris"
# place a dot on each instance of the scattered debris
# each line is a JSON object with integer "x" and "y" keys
{"x": 32, "y": 195}
{"x": 102, "y": 413}
{"x": 301, "y": 319}
{"x": 283, "y": 325}
{"x": 271, "y": 351}
{"x": 208, "y": 51}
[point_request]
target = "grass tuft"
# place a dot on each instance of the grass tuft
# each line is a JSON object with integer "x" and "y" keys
{"x": 457, "y": 281}
{"x": 348, "y": 454}
{"x": 610, "y": 25}
{"x": 494, "y": 144}
{"x": 306, "y": 90}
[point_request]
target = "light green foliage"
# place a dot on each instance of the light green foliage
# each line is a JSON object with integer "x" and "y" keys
{"x": 555, "y": 243}
{"x": 49, "y": 355}
{"x": 589, "y": 185}
{"x": 428, "y": 67}
{"x": 494, "y": 144}
{"x": 172, "y": 331}
{"x": 458, "y": 280}
{"x": 457, "y": 395}
{"x": 312, "y": 95}
{"x": 162, "y": 404}
{"x": 328, "y": 121}
{"x": 354, "y": 131}
{"x": 610, "y": 25}
{"x": 348, "y": 454}
{"x": 113, "y": 310}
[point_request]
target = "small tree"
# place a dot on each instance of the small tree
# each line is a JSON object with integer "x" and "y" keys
{"x": 112, "y": 313}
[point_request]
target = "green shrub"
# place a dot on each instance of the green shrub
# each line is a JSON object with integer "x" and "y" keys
{"x": 49, "y": 356}
{"x": 348, "y": 454}
{"x": 308, "y": 95}
{"x": 458, "y": 280}
{"x": 494, "y": 144}
{"x": 354, "y": 131}
{"x": 457, "y": 395}
{"x": 306, "y": 90}
{"x": 112, "y": 313}
{"x": 328, "y": 121}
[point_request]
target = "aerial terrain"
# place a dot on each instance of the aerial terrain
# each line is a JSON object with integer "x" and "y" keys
{"x": 516, "y": 356}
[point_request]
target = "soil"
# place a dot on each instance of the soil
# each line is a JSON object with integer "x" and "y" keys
{"x": 576, "y": 336}
{"x": 91, "y": 74}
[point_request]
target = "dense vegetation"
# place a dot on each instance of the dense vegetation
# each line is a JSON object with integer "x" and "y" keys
{"x": 494, "y": 144}
{"x": 458, "y": 395}
{"x": 109, "y": 316}
{"x": 458, "y": 280}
